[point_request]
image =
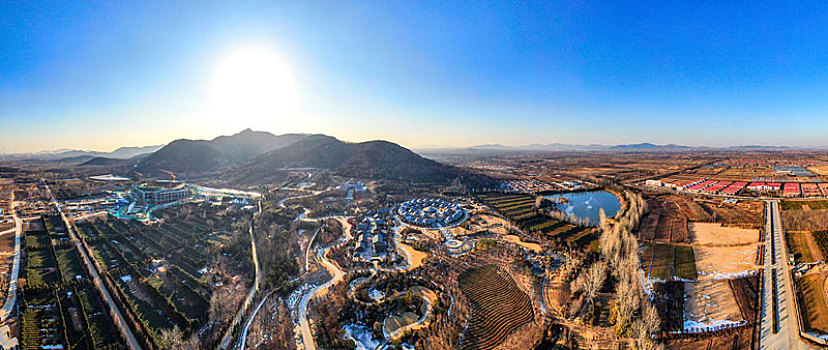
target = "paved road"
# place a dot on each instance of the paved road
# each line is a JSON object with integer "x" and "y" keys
{"x": 11, "y": 295}
{"x": 308, "y": 248}
{"x": 245, "y": 331}
{"x": 787, "y": 334}
{"x": 228, "y": 336}
{"x": 126, "y": 332}
{"x": 338, "y": 274}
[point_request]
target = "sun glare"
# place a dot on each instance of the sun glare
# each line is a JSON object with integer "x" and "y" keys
{"x": 252, "y": 86}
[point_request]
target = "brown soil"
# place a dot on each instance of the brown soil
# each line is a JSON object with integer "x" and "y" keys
{"x": 714, "y": 234}
{"x": 709, "y": 300}
{"x": 713, "y": 261}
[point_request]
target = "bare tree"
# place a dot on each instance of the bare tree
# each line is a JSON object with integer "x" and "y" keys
{"x": 174, "y": 339}
{"x": 649, "y": 317}
{"x": 594, "y": 281}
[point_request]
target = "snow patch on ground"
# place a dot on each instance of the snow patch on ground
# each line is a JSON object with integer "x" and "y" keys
{"x": 727, "y": 276}
{"x": 361, "y": 336}
{"x": 376, "y": 295}
{"x": 823, "y": 337}
{"x": 697, "y": 327}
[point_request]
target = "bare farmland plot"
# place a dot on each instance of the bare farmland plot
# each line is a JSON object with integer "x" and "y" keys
{"x": 714, "y": 234}
{"x": 725, "y": 261}
{"x": 710, "y": 300}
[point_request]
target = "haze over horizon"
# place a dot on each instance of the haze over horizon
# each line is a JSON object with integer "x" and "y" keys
{"x": 98, "y": 76}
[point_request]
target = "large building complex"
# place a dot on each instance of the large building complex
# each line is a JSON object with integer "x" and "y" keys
{"x": 155, "y": 195}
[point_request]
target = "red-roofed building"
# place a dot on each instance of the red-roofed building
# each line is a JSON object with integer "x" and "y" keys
{"x": 716, "y": 187}
{"x": 685, "y": 184}
{"x": 823, "y": 186}
{"x": 758, "y": 186}
{"x": 791, "y": 189}
{"x": 734, "y": 188}
{"x": 700, "y": 186}
{"x": 810, "y": 189}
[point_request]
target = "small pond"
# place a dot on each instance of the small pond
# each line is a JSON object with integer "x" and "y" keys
{"x": 587, "y": 205}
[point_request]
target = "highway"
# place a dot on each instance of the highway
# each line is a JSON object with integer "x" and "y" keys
{"x": 786, "y": 334}
{"x": 126, "y": 332}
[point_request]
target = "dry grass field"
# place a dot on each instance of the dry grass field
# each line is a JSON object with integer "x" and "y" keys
{"x": 744, "y": 173}
{"x": 528, "y": 245}
{"x": 714, "y": 234}
{"x": 725, "y": 261}
{"x": 492, "y": 223}
{"x": 7, "y": 243}
{"x": 805, "y": 220}
{"x": 812, "y": 301}
{"x": 743, "y": 214}
{"x": 803, "y": 246}
{"x": 819, "y": 169}
{"x": 669, "y": 217}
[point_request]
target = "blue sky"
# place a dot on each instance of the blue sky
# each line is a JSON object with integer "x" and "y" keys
{"x": 98, "y": 75}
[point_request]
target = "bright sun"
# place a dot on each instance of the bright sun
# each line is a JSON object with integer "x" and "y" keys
{"x": 253, "y": 85}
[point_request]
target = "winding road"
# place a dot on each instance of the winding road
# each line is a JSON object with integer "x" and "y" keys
{"x": 304, "y": 325}
{"x": 338, "y": 275}
{"x": 228, "y": 337}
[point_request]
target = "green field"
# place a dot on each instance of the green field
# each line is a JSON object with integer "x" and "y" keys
{"x": 666, "y": 261}
{"x": 685, "y": 263}
{"x": 100, "y": 326}
{"x": 61, "y": 312}
{"x": 821, "y": 238}
{"x": 41, "y": 268}
{"x": 70, "y": 264}
{"x": 662, "y": 261}
{"x": 812, "y": 204}
{"x": 161, "y": 294}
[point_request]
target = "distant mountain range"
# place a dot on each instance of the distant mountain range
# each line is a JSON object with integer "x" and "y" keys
{"x": 251, "y": 156}
{"x": 649, "y": 146}
{"x": 80, "y": 156}
{"x": 563, "y": 147}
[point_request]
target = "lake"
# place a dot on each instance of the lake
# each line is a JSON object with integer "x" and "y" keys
{"x": 587, "y": 205}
